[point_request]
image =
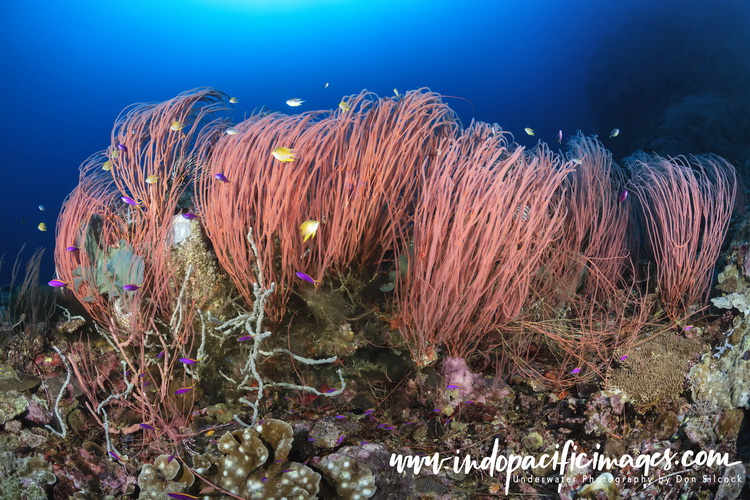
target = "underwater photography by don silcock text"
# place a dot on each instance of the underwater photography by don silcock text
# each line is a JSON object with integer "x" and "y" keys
{"x": 354, "y": 249}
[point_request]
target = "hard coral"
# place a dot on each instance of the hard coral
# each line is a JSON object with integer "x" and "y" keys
{"x": 725, "y": 381}
{"x": 654, "y": 373}
{"x": 166, "y": 475}
{"x": 244, "y": 468}
{"x": 364, "y": 471}
{"x": 353, "y": 480}
{"x": 24, "y": 477}
{"x": 207, "y": 284}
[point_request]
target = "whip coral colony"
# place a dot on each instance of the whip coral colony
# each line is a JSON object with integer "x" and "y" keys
{"x": 489, "y": 245}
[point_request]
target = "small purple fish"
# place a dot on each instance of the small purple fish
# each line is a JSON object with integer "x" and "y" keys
{"x": 244, "y": 338}
{"x": 339, "y": 416}
{"x": 189, "y": 216}
{"x": 688, "y": 328}
{"x": 129, "y": 200}
{"x": 116, "y": 457}
{"x": 329, "y": 391}
{"x": 438, "y": 410}
{"x": 623, "y": 358}
{"x": 363, "y": 442}
{"x": 311, "y": 439}
{"x": 340, "y": 439}
{"x": 306, "y": 277}
{"x": 188, "y": 361}
{"x": 469, "y": 402}
{"x": 182, "y": 496}
{"x": 170, "y": 458}
{"x": 287, "y": 470}
{"x": 575, "y": 371}
{"x": 122, "y": 147}
{"x": 146, "y": 426}
{"x": 131, "y": 287}
{"x": 57, "y": 283}
{"x": 160, "y": 355}
{"x": 184, "y": 390}
{"x": 221, "y": 177}
{"x": 389, "y": 428}
{"x": 72, "y": 249}
{"x": 452, "y": 386}
{"x": 623, "y": 196}
{"x": 369, "y": 411}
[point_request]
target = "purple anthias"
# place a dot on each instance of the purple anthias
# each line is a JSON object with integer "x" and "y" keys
{"x": 306, "y": 277}
{"x": 129, "y": 200}
{"x": 189, "y": 215}
{"x": 122, "y": 147}
{"x": 221, "y": 177}
{"x": 57, "y": 283}
{"x": 72, "y": 249}
{"x": 130, "y": 288}
{"x": 182, "y": 496}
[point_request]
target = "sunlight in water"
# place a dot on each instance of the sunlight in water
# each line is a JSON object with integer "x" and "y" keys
{"x": 272, "y": 5}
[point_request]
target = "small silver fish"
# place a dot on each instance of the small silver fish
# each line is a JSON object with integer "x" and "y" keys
{"x": 294, "y": 101}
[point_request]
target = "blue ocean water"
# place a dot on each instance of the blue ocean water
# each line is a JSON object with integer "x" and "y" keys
{"x": 671, "y": 75}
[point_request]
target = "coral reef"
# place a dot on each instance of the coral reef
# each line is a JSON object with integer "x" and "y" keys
{"x": 12, "y": 404}
{"x": 353, "y": 481}
{"x": 654, "y": 373}
{"x": 24, "y": 477}
{"x": 244, "y": 467}
{"x": 165, "y": 475}
{"x": 724, "y": 381}
{"x": 475, "y": 309}
{"x": 722, "y": 377}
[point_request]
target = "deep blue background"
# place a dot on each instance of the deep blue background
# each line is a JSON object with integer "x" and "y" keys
{"x": 68, "y": 68}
